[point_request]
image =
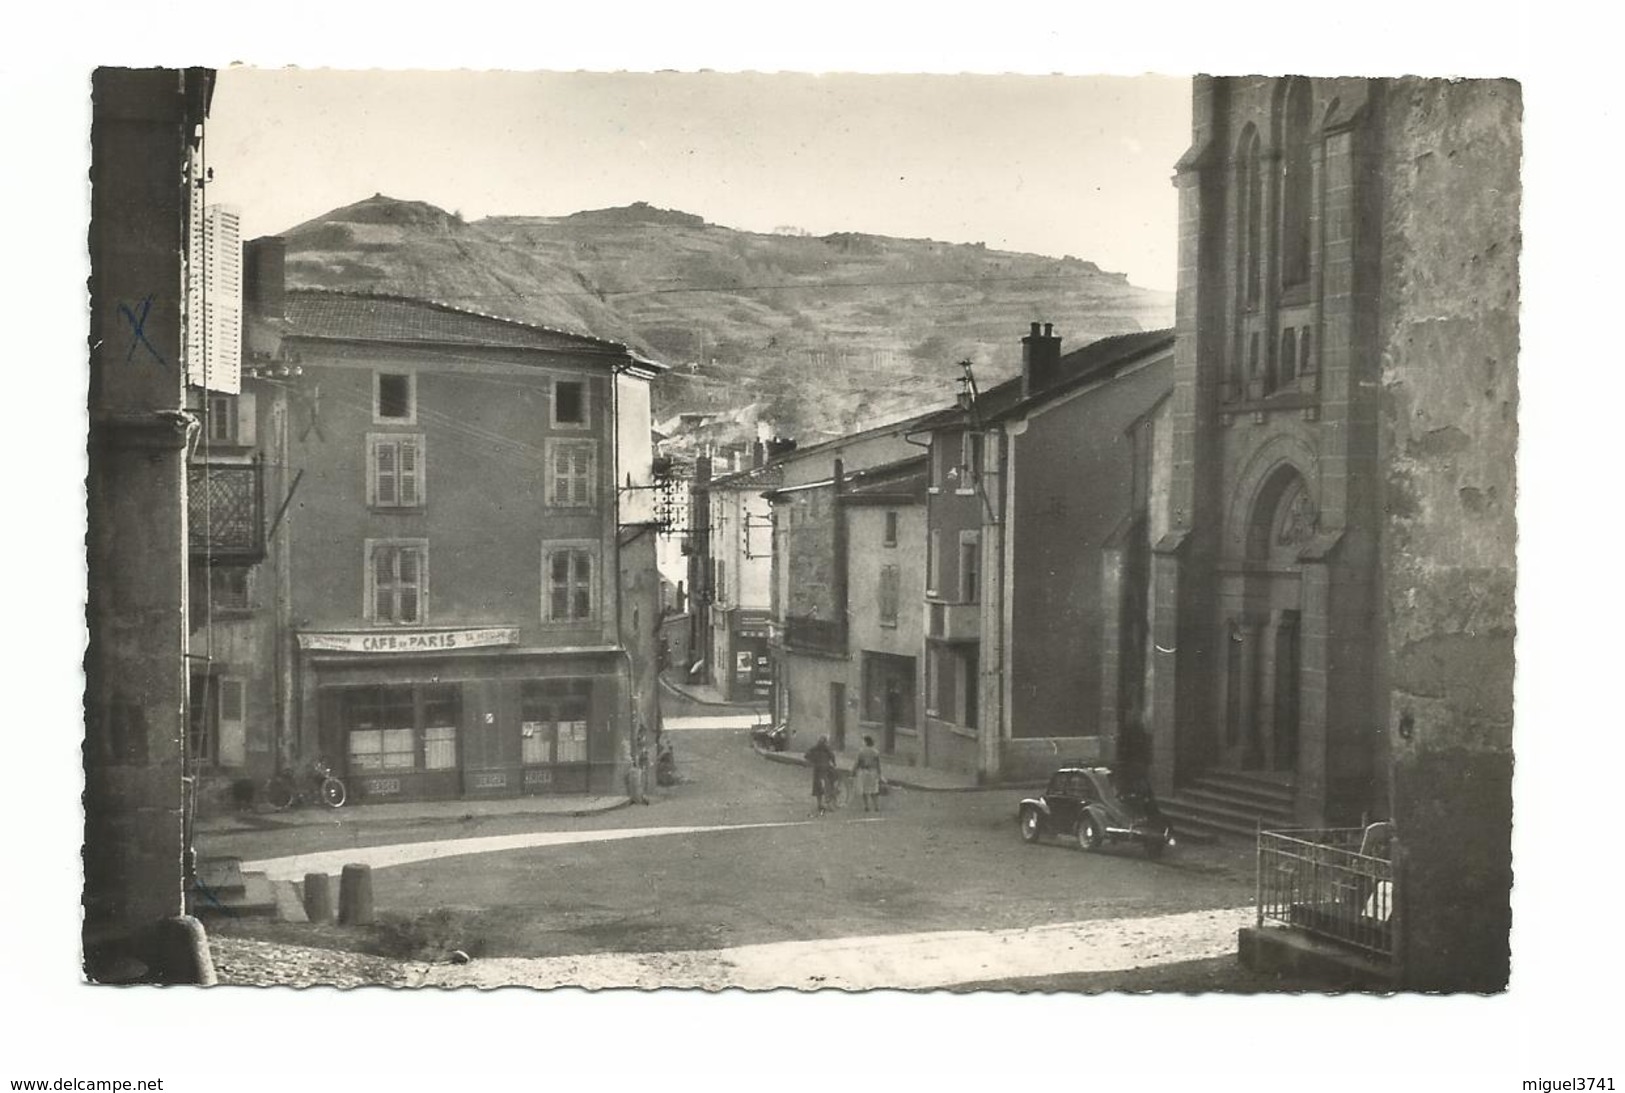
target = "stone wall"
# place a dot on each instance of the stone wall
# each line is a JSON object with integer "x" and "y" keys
{"x": 1449, "y": 338}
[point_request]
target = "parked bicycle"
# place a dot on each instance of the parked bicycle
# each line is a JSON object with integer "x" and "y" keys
{"x": 317, "y": 784}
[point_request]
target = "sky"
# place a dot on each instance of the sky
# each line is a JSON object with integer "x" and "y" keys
{"x": 1045, "y": 164}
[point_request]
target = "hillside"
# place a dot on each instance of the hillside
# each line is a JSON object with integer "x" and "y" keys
{"x": 819, "y": 333}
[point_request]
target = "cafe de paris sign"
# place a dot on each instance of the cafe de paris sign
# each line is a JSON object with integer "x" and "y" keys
{"x": 407, "y": 641}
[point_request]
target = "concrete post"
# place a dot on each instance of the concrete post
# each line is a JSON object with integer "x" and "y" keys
{"x": 318, "y": 897}
{"x": 355, "y": 896}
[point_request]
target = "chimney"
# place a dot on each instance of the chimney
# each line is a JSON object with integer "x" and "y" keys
{"x": 264, "y": 277}
{"x": 758, "y": 454}
{"x": 1040, "y": 359}
{"x": 702, "y": 470}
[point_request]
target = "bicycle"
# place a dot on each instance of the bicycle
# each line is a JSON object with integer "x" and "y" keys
{"x": 285, "y": 788}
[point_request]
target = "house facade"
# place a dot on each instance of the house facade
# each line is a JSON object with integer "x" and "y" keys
{"x": 451, "y": 605}
{"x": 1043, "y": 493}
{"x": 739, "y": 556}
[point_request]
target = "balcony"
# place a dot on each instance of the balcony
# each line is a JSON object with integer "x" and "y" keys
{"x": 811, "y": 635}
{"x": 225, "y": 509}
{"x": 953, "y": 621}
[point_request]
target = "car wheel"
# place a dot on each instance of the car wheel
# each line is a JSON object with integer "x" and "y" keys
{"x": 1089, "y": 833}
{"x": 1030, "y": 828}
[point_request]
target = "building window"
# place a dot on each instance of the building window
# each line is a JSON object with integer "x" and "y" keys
{"x": 933, "y": 561}
{"x": 553, "y": 721}
{"x": 395, "y": 471}
{"x": 1252, "y": 218}
{"x": 1297, "y": 191}
{"x": 971, "y": 681}
{"x": 442, "y": 714}
{"x": 228, "y": 588}
{"x": 567, "y": 574}
{"x": 382, "y": 728}
{"x": 970, "y": 460}
{"x": 889, "y": 595}
{"x": 891, "y": 530}
{"x": 1287, "y": 367}
{"x": 572, "y": 467}
{"x": 394, "y": 398}
{"x": 398, "y": 580}
{"x": 970, "y": 566}
{"x": 222, "y": 419}
{"x": 569, "y": 403}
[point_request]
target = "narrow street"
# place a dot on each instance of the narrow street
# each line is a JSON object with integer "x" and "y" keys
{"x": 733, "y": 862}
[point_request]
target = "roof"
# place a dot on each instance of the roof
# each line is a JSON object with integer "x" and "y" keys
{"x": 1097, "y": 360}
{"x": 884, "y": 480}
{"x": 379, "y": 317}
{"x": 763, "y": 477}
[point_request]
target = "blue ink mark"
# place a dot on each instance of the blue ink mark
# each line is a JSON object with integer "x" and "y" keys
{"x": 138, "y": 327}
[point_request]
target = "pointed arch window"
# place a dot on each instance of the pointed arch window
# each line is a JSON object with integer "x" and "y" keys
{"x": 1297, "y": 172}
{"x": 1252, "y": 219}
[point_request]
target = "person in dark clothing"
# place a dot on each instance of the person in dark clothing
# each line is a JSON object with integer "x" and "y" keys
{"x": 822, "y": 760}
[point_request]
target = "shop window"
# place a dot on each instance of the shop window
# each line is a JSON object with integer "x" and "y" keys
{"x": 569, "y": 402}
{"x": 442, "y": 714}
{"x": 395, "y": 471}
{"x": 572, "y": 467}
{"x": 398, "y": 580}
{"x": 381, "y": 724}
{"x": 553, "y": 721}
{"x": 394, "y": 398}
{"x": 889, "y": 595}
{"x": 568, "y": 570}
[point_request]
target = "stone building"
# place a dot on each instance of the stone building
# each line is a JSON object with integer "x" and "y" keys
{"x": 1333, "y": 601}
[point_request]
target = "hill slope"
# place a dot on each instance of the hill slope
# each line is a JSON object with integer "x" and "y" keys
{"x": 818, "y": 333}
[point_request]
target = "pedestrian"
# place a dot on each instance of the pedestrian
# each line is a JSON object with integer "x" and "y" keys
{"x": 866, "y": 772}
{"x": 634, "y": 775}
{"x": 822, "y": 760}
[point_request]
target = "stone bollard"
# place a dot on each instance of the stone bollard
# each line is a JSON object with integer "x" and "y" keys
{"x": 182, "y": 952}
{"x": 355, "y": 896}
{"x": 318, "y": 897}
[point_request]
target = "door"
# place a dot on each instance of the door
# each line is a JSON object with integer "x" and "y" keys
{"x": 837, "y": 715}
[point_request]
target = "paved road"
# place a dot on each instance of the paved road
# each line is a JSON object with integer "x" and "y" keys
{"x": 732, "y": 860}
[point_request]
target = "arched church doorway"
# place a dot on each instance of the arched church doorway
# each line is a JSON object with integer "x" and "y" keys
{"x": 1264, "y": 662}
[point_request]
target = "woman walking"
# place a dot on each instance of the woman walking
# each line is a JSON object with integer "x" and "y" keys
{"x": 866, "y": 772}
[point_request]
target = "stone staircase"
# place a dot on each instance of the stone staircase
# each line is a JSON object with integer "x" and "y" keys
{"x": 222, "y": 890}
{"x": 1231, "y": 803}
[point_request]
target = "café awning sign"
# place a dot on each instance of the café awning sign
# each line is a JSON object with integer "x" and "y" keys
{"x": 407, "y": 641}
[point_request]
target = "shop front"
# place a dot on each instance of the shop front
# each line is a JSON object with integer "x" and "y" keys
{"x": 443, "y": 722}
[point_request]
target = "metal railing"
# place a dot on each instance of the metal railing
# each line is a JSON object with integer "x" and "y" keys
{"x": 1335, "y": 883}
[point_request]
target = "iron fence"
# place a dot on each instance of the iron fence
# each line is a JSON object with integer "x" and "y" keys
{"x": 1335, "y": 883}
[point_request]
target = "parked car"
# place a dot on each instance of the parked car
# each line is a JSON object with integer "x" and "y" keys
{"x": 1094, "y": 805}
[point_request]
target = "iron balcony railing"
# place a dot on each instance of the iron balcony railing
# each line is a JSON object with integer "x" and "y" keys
{"x": 815, "y": 635}
{"x": 1334, "y": 883}
{"x": 225, "y": 506}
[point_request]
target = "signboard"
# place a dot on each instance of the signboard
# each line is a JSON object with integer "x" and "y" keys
{"x": 408, "y": 641}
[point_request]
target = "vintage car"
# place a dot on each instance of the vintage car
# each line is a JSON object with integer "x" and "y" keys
{"x": 1094, "y": 804}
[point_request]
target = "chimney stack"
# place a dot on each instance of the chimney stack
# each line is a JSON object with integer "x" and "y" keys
{"x": 265, "y": 277}
{"x": 1040, "y": 359}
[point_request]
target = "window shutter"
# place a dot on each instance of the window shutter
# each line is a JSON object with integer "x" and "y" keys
{"x": 383, "y": 583}
{"x": 384, "y": 453}
{"x": 409, "y": 492}
{"x": 245, "y": 419}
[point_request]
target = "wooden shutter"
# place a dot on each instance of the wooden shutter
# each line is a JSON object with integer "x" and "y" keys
{"x": 384, "y": 473}
{"x": 410, "y": 479}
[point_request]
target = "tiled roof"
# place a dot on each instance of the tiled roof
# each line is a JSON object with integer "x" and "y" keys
{"x": 765, "y": 476}
{"x": 905, "y": 477}
{"x": 358, "y": 316}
